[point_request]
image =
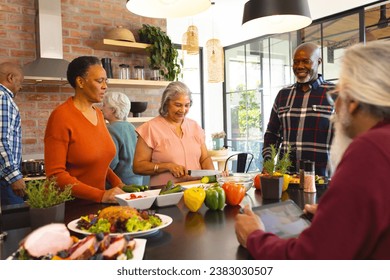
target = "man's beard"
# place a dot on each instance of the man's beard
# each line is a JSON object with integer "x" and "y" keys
{"x": 304, "y": 80}
{"x": 341, "y": 140}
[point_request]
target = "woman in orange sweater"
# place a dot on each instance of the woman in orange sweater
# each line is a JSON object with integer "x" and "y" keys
{"x": 78, "y": 146}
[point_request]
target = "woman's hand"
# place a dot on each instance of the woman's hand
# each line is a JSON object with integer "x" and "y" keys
{"x": 177, "y": 170}
{"x": 109, "y": 195}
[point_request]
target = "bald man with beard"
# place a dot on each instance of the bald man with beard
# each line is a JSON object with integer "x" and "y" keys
{"x": 12, "y": 185}
{"x": 352, "y": 220}
{"x": 300, "y": 116}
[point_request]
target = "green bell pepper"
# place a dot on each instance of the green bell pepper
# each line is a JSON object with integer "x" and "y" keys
{"x": 215, "y": 198}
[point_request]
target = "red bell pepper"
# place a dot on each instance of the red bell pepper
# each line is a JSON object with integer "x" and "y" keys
{"x": 234, "y": 192}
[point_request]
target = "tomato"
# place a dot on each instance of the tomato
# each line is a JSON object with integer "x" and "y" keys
{"x": 257, "y": 181}
{"x": 234, "y": 193}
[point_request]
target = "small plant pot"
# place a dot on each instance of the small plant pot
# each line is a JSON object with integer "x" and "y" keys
{"x": 271, "y": 187}
{"x": 43, "y": 216}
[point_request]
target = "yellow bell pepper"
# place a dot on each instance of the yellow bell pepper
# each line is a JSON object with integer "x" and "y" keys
{"x": 194, "y": 197}
{"x": 286, "y": 181}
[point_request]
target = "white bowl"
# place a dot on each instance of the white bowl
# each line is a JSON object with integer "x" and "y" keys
{"x": 148, "y": 197}
{"x": 244, "y": 179}
{"x": 168, "y": 199}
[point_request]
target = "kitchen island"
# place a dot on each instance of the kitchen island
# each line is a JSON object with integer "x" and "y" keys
{"x": 204, "y": 235}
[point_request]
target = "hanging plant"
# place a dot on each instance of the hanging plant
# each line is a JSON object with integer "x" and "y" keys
{"x": 162, "y": 54}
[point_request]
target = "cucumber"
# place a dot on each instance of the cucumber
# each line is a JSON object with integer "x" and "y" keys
{"x": 130, "y": 189}
{"x": 208, "y": 179}
{"x": 175, "y": 189}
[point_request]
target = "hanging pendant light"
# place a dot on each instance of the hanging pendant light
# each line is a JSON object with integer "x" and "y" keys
{"x": 215, "y": 61}
{"x": 276, "y": 16}
{"x": 167, "y": 8}
{"x": 190, "y": 40}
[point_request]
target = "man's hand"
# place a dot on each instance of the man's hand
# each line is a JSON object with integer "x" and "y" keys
{"x": 19, "y": 187}
{"x": 310, "y": 209}
{"x": 246, "y": 224}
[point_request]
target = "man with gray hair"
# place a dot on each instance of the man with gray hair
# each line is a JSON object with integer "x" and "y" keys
{"x": 12, "y": 185}
{"x": 352, "y": 220}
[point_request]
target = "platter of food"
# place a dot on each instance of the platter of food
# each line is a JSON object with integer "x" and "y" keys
{"x": 54, "y": 242}
{"x": 120, "y": 220}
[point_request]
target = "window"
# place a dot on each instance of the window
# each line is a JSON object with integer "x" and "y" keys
{"x": 255, "y": 72}
{"x": 258, "y": 69}
{"x": 191, "y": 76}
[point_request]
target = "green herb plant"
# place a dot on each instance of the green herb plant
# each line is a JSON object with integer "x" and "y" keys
{"x": 281, "y": 165}
{"x": 162, "y": 54}
{"x": 284, "y": 163}
{"x": 46, "y": 193}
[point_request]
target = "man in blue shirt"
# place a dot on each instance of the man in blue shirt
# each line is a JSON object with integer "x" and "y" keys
{"x": 301, "y": 113}
{"x": 12, "y": 185}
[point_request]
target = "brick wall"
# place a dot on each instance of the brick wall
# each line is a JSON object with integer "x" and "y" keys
{"x": 83, "y": 23}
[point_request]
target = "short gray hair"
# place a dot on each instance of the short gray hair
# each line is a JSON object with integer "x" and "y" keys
{"x": 172, "y": 91}
{"x": 119, "y": 102}
{"x": 364, "y": 76}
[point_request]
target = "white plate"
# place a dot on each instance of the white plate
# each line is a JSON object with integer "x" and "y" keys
{"x": 148, "y": 197}
{"x": 168, "y": 199}
{"x": 138, "y": 252}
{"x": 166, "y": 221}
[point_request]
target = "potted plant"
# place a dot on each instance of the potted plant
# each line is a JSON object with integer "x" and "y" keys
{"x": 47, "y": 201}
{"x": 218, "y": 140}
{"x": 272, "y": 183}
{"x": 162, "y": 54}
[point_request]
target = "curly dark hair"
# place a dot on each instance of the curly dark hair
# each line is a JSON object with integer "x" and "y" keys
{"x": 79, "y": 67}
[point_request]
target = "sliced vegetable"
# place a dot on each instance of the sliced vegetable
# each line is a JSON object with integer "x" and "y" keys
{"x": 208, "y": 179}
{"x": 171, "y": 188}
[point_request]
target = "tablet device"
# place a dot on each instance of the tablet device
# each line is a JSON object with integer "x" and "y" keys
{"x": 284, "y": 219}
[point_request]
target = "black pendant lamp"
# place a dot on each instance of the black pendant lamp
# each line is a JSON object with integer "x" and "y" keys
{"x": 276, "y": 16}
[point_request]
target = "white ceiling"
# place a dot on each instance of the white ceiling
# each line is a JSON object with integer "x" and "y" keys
{"x": 223, "y": 20}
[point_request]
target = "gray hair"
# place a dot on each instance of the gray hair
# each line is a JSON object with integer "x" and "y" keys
{"x": 364, "y": 76}
{"x": 172, "y": 91}
{"x": 119, "y": 102}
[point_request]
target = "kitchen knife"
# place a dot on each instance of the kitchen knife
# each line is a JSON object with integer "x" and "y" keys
{"x": 204, "y": 172}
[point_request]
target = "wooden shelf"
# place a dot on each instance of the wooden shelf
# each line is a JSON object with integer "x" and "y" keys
{"x": 137, "y": 83}
{"x": 139, "y": 120}
{"x": 121, "y": 46}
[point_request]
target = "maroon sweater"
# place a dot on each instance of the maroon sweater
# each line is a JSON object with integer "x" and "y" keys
{"x": 353, "y": 216}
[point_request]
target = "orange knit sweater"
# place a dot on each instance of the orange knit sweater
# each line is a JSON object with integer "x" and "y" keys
{"x": 78, "y": 152}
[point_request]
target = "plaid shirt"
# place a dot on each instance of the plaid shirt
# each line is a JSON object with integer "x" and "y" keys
{"x": 11, "y": 137}
{"x": 302, "y": 120}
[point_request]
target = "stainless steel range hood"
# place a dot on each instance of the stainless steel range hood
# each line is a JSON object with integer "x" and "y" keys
{"x": 49, "y": 67}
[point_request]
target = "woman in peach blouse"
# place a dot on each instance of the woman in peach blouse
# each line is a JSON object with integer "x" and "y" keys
{"x": 171, "y": 144}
